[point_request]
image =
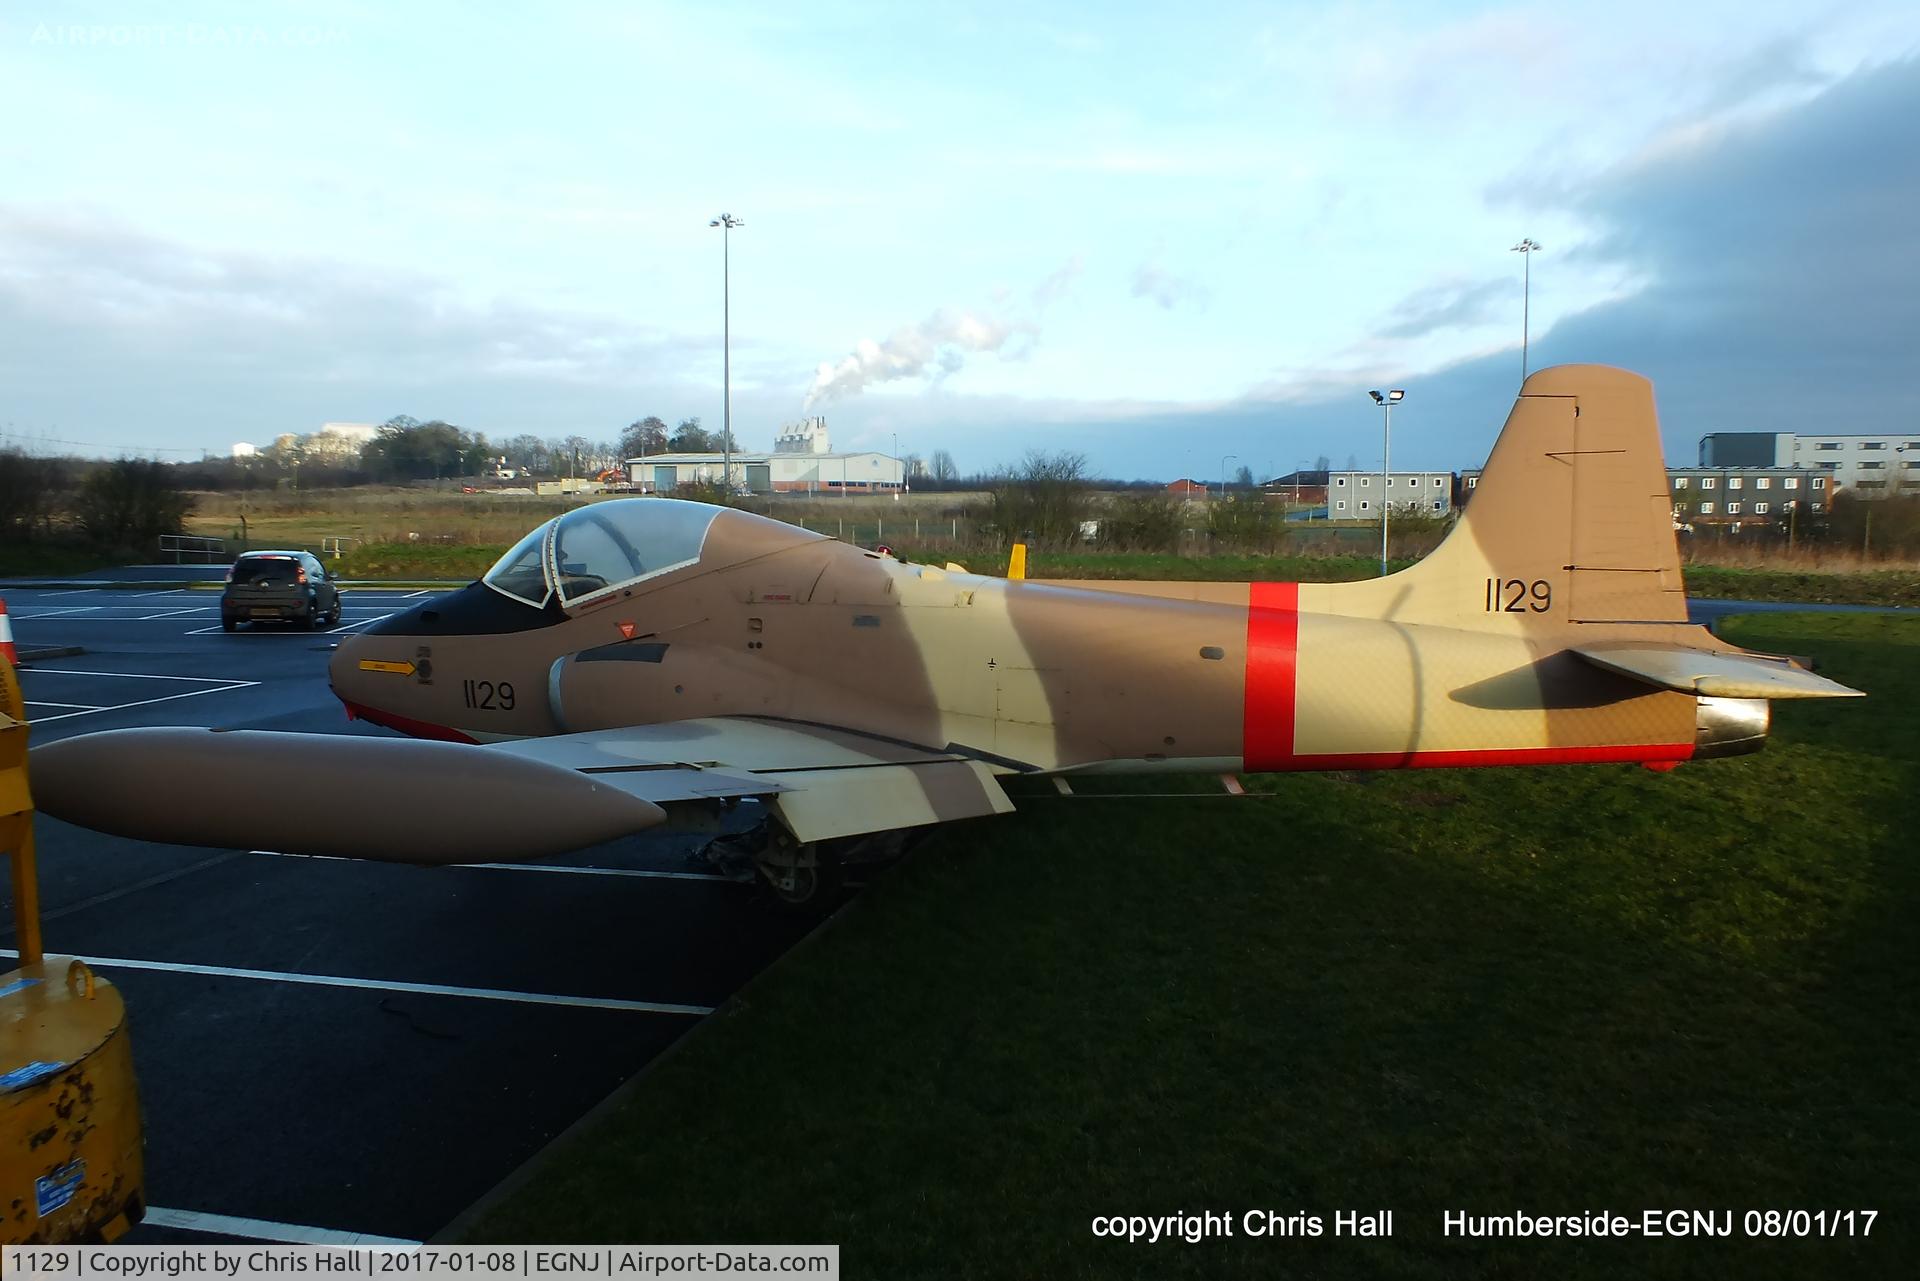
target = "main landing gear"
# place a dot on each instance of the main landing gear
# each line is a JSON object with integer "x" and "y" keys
{"x": 808, "y": 876}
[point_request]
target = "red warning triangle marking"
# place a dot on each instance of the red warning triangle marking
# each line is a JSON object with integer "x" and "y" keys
{"x": 626, "y": 630}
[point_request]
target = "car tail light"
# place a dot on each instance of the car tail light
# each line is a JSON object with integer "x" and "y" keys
{"x": 299, "y": 575}
{"x": 229, "y": 573}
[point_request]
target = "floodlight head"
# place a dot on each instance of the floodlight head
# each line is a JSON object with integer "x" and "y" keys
{"x": 1378, "y": 399}
{"x": 1396, "y": 395}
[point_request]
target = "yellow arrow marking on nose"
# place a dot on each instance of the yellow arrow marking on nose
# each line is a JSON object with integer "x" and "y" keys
{"x": 382, "y": 665}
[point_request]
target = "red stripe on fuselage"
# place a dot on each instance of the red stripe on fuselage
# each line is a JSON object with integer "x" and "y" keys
{"x": 1468, "y": 758}
{"x": 1273, "y": 658}
{"x": 1273, "y": 650}
{"x": 406, "y": 724}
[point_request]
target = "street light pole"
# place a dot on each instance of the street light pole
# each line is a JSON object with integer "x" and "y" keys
{"x": 1526, "y": 249}
{"x": 726, "y": 222}
{"x": 1386, "y": 401}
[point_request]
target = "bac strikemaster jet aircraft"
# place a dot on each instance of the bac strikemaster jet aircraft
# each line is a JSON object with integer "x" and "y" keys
{"x": 641, "y": 659}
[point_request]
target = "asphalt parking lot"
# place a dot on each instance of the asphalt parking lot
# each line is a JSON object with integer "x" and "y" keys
{"x": 331, "y": 1050}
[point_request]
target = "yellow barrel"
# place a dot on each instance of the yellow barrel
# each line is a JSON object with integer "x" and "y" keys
{"x": 71, "y": 1162}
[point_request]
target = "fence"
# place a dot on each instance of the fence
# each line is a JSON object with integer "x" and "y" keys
{"x": 203, "y": 551}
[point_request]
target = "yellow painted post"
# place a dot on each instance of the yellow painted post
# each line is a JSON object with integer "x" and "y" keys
{"x": 16, "y": 816}
{"x": 72, "y": 1164}
{"x": 1017, "y": 563}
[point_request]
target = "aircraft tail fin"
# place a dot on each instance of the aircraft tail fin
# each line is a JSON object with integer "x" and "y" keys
{"x": 1571, "y": 520}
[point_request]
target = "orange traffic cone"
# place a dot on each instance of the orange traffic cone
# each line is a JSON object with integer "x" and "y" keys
{"x": 7, "y": 646}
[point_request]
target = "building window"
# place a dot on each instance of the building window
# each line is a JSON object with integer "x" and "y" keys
{"x": 1341, "y": 481}
{"x": 1830, "y": 466}
{"x": 1763, "y": 482}
{"x": 1366, "y": 482}
{"x": 1873, "y": 466}
{"x": 1473, "y": 482}
{"x": 1761, "y": 509}
{"x": 1870, "y": 484}
{"x": 1681, "y": 482}
{"x": 1736, "y": 482}
{"x": 1828, "y": 444}
{"x": 1363, "y": 504}
{"x": 1707, "y": 482}
{"x": 1733, "y": 509}
{"x": 1819, "y": 507}
{"x": 1388, "y": 482}
{"x": 1790, "y": 482}
{"x": 1873, "y": 444}
{"x": 1438, "y": 481}
{"x": 1819, "y": 482}
{"x": 1706, "y": 509}
{"x": 1341, "y": 505}
{"x": 1440, "y": 506}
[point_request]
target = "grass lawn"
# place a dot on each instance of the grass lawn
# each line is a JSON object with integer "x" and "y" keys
{"x": 1539, "y": 990}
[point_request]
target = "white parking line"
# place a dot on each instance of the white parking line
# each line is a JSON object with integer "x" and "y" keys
{"x": 227, "y": 1225}
{"x": 41, "y": 702}
{"x": 428, "y": 592}
{"x": 164, "y": 698}
{"x": 642, "y": 873}
{"x": 392, "y": 985}
{"x": 165, "y": 591}
{"x": 142, "y": 676}
{"x": 172, "y": 613}
{"x": 639, "y": 873}
{"x": 363, "y": 622}
{"x": 78, "y": 591}
{"x": 31, "y": 612}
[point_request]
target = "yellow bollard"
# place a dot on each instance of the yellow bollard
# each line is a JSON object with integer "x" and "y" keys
{"x": 1017, "y": 563}
{"x": 72, "y": 1167}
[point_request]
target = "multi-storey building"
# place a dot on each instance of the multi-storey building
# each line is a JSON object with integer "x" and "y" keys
{"x": 1867, "y": 464}
{"x": 1357, "y": 495}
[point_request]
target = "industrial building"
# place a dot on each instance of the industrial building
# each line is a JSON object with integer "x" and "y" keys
{"x": 1868, "y": 464}
{"x": 861, "y": 473}
{"x": 802, "y": 462}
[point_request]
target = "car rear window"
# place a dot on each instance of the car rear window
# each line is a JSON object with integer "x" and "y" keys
{"x": 265, "y": 569}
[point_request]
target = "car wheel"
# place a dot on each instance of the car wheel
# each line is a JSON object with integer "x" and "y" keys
{"x": 229, "y": 625}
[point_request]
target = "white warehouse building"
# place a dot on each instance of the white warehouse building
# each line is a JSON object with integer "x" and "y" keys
{"x": 776, "y": 473}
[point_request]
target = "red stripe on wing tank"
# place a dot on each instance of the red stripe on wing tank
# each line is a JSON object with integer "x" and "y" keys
{"x": 1273, "y": 651}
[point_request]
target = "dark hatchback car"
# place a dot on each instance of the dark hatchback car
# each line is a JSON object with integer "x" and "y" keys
{"x": 282, "y": 587}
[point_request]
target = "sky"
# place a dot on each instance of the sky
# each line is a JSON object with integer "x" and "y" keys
{"x": 1176, "y": 239}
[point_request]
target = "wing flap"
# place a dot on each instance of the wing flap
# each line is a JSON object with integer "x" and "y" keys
{"x": 825, "y": 783}
{"x": 1712, "y": 673}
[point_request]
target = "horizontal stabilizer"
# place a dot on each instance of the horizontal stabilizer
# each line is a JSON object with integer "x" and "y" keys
{"x": 392, "y": 799}
{"x": 1712, "y": 673}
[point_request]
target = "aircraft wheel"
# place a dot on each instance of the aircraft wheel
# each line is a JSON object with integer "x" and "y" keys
{"x": 803, "y": 878}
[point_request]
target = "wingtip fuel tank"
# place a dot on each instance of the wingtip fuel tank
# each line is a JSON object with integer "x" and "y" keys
{"x": 435, "y": 802}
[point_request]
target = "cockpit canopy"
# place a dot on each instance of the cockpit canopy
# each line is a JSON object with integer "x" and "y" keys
{"x": 600, "y": 547}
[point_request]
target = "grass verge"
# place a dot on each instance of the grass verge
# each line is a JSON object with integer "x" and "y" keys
{"x": 1541, "y": 990}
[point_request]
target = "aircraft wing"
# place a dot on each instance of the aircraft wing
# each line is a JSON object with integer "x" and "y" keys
{"x": 824, "y": 782}
{"x": 1712, "y": 673}
{"x": 425, "y": 801}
